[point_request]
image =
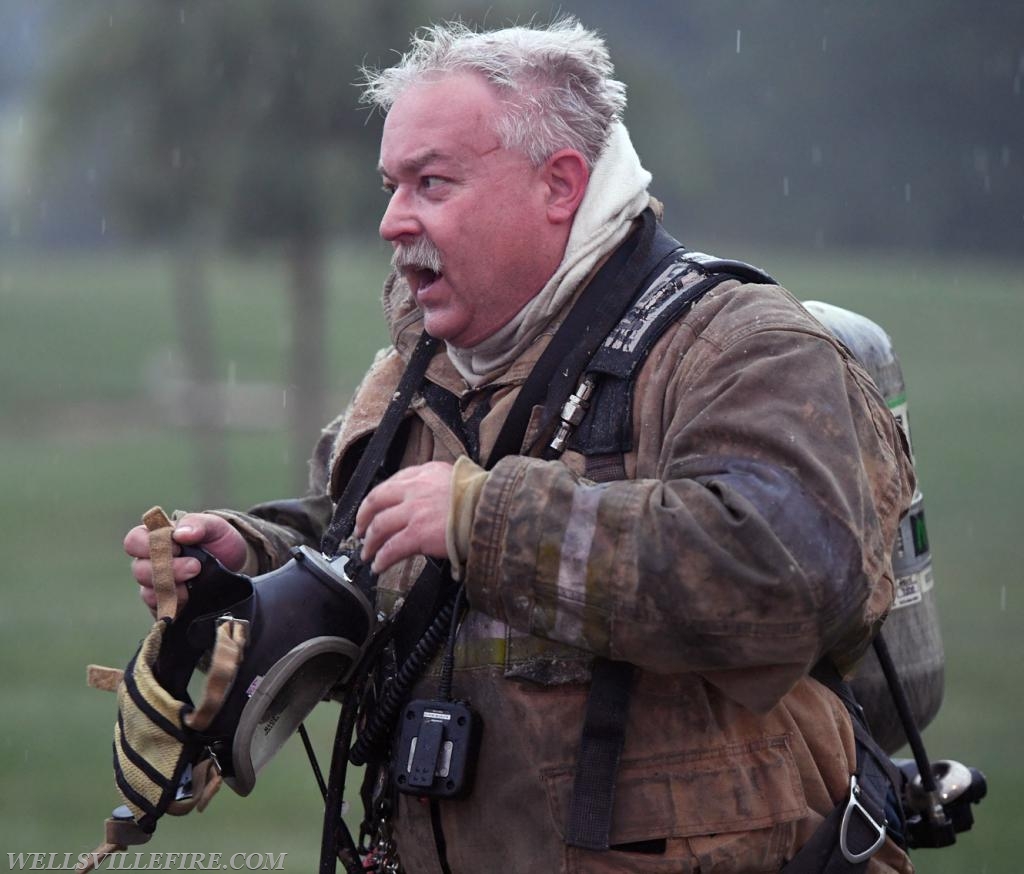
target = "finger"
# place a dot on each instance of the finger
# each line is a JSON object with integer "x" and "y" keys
{"x": 215, "y": 535}
{"x": 148, "y": 597}
{"x": 380, "y": 498}
{"x": 136, "y": 542}
{"x": 183, "y": 568}
{"x": 384, "y": 525}
{"x": 406, "y": 531}
{"x": 192, "y": 528}
{"x": 404, "y": 544}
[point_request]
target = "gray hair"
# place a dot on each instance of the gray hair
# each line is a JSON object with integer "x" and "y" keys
{"x": 556, "y": 82}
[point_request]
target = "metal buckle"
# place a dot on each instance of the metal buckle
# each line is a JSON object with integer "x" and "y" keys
{"x": 854, "y": 805}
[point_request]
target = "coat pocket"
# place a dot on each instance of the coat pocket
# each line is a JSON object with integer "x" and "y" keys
{"x": 728, "y": 808}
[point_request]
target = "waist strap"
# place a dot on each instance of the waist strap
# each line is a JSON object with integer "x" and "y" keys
{"x": 857, "y": 826}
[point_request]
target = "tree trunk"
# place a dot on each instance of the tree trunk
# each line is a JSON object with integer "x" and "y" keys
{"x": 307, "y": 373}
{"x": 202, "y": 404}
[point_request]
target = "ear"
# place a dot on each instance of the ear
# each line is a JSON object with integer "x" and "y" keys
{"x": 566, "y": 175}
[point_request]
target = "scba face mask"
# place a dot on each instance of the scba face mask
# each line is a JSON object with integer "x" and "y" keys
{"x": 307, "y": 624}
{"x": 272, "y": 647}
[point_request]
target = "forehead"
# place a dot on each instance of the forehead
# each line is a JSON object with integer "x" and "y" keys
{"x": 446, "y": 119}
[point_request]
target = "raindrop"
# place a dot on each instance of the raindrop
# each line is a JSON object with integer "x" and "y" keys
{"x": 816, "y": 155}
{"x": 824, "y": 44}
{"x": 90, "y": 175}
{"x": 284, "y": 397}
{"x": 785, "y": 186}
{"x": 1006, "y": 156}
{"x": 103, "y": 227}
{"x": 182, "y": 14}
{"x": 906, "y": 192}
{"x": 232, "y": 372}
{"x": 1002, "y": 599}
{"x": 981, "y": 159}
{"x": 176, "y": 157}
{"x": 110, "y": 21}
{"x": 739, "y": 35}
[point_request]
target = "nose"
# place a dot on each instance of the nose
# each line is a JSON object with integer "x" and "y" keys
{"x": 399, "y": 219}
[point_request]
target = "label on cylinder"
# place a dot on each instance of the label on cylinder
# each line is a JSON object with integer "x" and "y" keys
{"x": 911, "y": 588}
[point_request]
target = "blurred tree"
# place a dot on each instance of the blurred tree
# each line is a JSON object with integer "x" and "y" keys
{"x": 214, "y": 122}
{"x": 139, "y": 92}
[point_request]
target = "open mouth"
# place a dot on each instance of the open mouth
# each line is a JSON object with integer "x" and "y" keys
{"x": 420, "y": 278}
{"x": 419, "y": 263}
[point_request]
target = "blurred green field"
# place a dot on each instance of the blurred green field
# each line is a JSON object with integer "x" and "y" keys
{"x": 82, "y": 456}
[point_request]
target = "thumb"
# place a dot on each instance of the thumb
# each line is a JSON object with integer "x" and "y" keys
{"x": 193, "y": 528}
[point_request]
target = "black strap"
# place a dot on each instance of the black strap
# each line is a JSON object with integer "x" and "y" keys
{"x": 826, "y": 673}
{"x": 604, "y": 726}
{"x": 597, "y": 763}
{"x": 598, "y": 309}
{"x": 833, "y": 848}
{"x": 344, "y": 518}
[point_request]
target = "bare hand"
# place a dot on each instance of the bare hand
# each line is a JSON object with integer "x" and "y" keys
{"x": 205, "y": 530}
{"x": 406, "y": 515}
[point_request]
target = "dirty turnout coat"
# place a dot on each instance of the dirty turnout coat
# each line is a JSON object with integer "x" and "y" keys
{"x": 751, "y": 538}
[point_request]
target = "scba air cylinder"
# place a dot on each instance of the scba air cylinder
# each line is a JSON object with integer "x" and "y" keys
{"x": 911, "y": 630}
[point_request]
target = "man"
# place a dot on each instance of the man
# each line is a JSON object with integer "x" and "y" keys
{"x": 747, "y": 536}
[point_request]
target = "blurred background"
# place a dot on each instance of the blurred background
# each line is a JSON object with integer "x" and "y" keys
{"x": 189, "y": 288}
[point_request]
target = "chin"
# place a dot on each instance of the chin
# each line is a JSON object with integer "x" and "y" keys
{"x": 441, "y": 327}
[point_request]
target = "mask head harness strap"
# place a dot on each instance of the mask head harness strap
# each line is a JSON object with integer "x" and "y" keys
{"x": 157, "y": 749}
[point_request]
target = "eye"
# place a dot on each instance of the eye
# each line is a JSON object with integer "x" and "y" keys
{"x": 431, "y": 183}
{"x": 388, "y": 188}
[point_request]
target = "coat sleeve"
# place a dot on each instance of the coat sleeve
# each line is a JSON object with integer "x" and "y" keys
{"x": 761, "y": 541}
{"x": 273, "y": 528}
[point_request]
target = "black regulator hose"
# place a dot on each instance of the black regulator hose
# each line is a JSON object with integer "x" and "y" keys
{"x": 378, "y": 728}
{"x": 335, "y": 832}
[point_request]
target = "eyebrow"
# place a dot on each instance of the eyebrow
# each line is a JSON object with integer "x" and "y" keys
{"x": 416, "y": 163}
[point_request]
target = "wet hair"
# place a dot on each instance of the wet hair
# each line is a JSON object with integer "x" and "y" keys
{"x": 555, "y": 82}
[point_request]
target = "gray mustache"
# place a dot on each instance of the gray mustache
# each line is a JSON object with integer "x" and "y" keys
{"x": 419, "y": 255}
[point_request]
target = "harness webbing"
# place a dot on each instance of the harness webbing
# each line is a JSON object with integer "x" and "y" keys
{"x": 597, "y": 763}
{"x": 857, "y": 826}
{"x": 673, "y": 282}
{"x": 599, "y": 308}
{"x": 344, "y": 518}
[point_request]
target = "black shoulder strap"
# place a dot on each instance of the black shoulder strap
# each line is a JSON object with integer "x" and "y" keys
{"x": 344, "y": 517}
{"x": 607, "y": 429}
{"x": 597, "y": 762}
{"x": 679, "y": 280}
{"x": 595, "y": 313}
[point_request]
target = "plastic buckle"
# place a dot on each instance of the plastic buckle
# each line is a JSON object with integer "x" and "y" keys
{"x": 854, "y": 805}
